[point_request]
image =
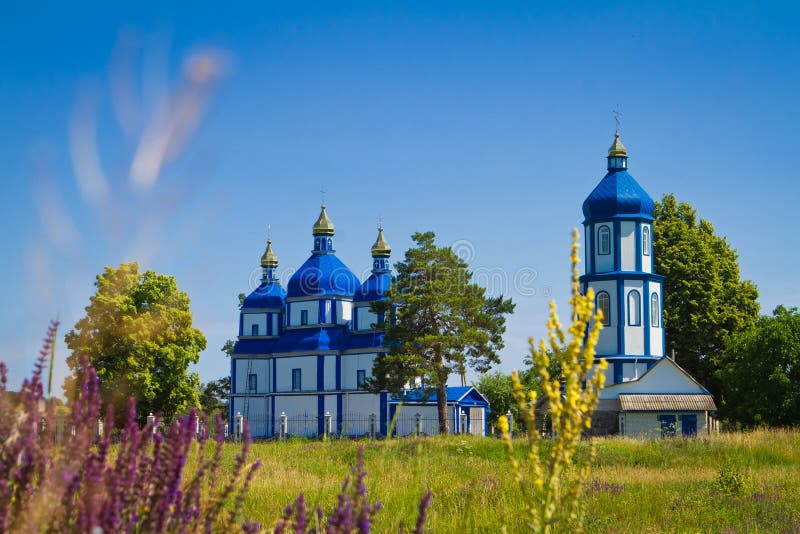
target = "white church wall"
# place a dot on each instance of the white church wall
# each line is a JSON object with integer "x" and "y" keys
{"x": 366, "y": 318}
{"x": 607, "y": 342}
{"x": 308, "y": 372}
{"x": 656, "y": 333}
{"x": 361, "y": 405}
{"x": 344, "y": 311}
{"x": 647, "y": 261}
{"x": 260, "y": 367}
{"x": 603, "y": 262}
{"x": 634, "y": 335}
{"x": 351, "y": 364}
{"x": 628, "y": 245}
{"x": 311, "y": 306}
{"x": 301, "y": 411}
{"x": 330, "y": 372}
{"x": 663, "y": 377}
{"x": 250, "y": 319}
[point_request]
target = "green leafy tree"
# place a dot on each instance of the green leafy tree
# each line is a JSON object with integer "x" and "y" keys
{"x": 760, "y": 368}
{"x": 138, "y": 335}
{"x": 214, "y": 396}
{"x": 441, "y": 321}
{"x": 704, "y": 298}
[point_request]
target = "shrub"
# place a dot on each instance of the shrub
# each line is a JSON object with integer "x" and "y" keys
{"x": 85, "y": 484}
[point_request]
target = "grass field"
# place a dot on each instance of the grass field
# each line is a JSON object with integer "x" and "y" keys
{"x": 744, "y": 482}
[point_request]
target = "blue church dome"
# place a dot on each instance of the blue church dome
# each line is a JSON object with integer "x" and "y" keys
{"x": 618, "y": 195}
{"x": 322, "y": 274}
{"x": 268, "y": 295}
{"x": 373, "y": 288}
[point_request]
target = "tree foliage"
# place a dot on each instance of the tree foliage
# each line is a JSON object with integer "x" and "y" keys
{"x": 138, "y": 335}
{"x": 214, "y": 397}
{"x": 760, "y": 368}
{"x": 704, "y": 298}
{"x": 443, "y": 322}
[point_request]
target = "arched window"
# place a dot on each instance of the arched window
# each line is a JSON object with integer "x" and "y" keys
{"x": 330, "y": 244}
{"x": 634, "y": 308}
{"x": 646, "y": 240}
{"x": 604, "y": 240}
{"x": 604, "y": 306}
{"x": 655, "y": 310}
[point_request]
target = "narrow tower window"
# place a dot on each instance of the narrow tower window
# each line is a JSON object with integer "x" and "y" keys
{"x": 252, "y": 382}
{"x": 303, "y": 317}
{"x": 254, "y": 330}
{"x": 604, "y": 306}
{"x": 361, "y": 379}
{"x": 634, "y": 308}
{"x": 646, "y": 240}
{"x": 604, "y": 240}
{"x": 655, "y": 310}
{"x": 296, "y": 383}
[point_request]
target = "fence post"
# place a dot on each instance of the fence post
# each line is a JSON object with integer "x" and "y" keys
{"x": 99, "y": 429}
{"x": 418, "y": 423}
{"x": 328, "y": 424}
{"x": 373, "y": 420}
{"x": 284, "y": 426}
{"x": 239, "y": 428}
{"x": 151, "y": 420}
{"x": 463, "y": 422}
{"x": 510, "y": 417}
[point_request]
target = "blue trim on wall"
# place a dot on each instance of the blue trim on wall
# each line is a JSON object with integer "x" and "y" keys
{"x": 321, "y": 318}
{"x": 591, "y": 248}
{"x": 233, "y": 390}
{"x": 338, "y": 413}
{"x": 333, "y": 311}
{"x": 241, "y": 324}
{"x": 646, "y": 320}
{"x": 617, "y": 240}
{"x": 384, "y": 422}
{"x": 355, "y": 317}
{"x": 621, "y": 322}
{"x": 320, "y": 414}
{"x": 320, "y": 372}
{"x": 288, "y": 313}
{"x": 618, "y": 372}
{"x": 273, "y": 415}
{"x": 338, "y": 372}
{"x": 637, "y": 236}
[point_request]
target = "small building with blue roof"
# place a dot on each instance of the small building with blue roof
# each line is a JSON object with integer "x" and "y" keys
{"x": 304, "y": 354}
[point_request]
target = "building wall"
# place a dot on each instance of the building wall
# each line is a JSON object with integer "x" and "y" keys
{"x": 249, "y": 319}
{"x": 607, "y": 342}
{"x": 261, "y": 367}
{"x": 634, "y": 335}
{"x": 646, "y": 424}
{"x": 603, "y": 263}
{"x": 366, "y": 318}
{"x": 312, "y": 306}
{"x": 308, "y": 373}
{"x": 656, "y": 332}
{"x": 351, "y": 363}
{"x": 647, "y": 261}
{"x": 344, "y": 311}
{"x": 628, "y": 245}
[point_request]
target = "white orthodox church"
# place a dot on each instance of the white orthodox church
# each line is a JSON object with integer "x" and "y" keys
{"x": 304, "y": 353}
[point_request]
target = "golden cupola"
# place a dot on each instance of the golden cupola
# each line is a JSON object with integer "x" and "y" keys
{"x": 323, "y": 226}
{"x": 617, "y": 155}
{"x": 269, "y": 259}
{"x": 381, "y": 247}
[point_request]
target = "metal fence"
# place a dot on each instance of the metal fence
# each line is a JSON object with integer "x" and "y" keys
{"x": 350, "y": 425}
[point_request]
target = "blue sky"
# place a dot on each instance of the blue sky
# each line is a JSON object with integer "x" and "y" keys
{"x": 486, "y": 122}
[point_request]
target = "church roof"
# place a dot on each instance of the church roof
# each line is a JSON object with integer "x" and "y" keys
{"x": 464, "y": 395}
{"x": 268, "y": 295}
{"x": 381, "y": 247}
{"x": 618, "y": 195}
{"x": 373, "y": 288}
{"x": 323, "y": 225}
{"x": 322, "y": 274}
{"x": 665, "y": 402}
{"x": 305, "y": 339}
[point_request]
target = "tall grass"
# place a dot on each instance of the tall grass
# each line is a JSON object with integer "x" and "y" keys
{"x": 634, "y": 486}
